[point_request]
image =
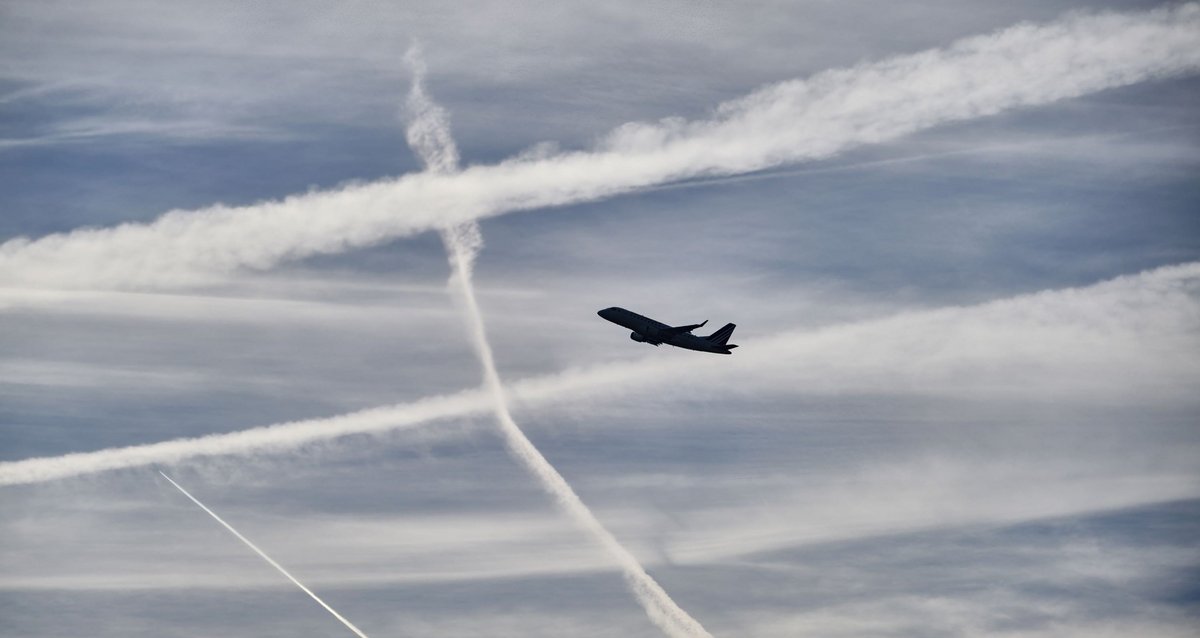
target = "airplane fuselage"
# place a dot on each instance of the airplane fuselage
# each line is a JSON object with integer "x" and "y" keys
{"x": 647, "y": 330}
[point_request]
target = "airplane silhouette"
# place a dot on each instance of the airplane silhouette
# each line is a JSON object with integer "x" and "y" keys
{"x": 647, "y": 330}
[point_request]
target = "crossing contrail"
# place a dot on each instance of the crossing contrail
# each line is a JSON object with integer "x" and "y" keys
{"x": 349, "y": 625}
{"x": 428, "y": 133}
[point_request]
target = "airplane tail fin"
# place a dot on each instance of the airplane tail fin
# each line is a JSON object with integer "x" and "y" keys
{"x": 721, "y": 336}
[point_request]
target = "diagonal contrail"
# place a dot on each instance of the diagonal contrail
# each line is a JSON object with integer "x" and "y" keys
{"x": 428, "y": 133}
{"x": 349, "y": 625}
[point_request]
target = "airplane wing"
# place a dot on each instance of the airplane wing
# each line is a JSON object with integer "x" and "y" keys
{"x": 678, "y": 330}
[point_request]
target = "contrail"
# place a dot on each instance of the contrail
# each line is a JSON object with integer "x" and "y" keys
{"x": 1147, "y": 319}
{"x": 428, "y": 133}
{"x": 428, "y": 130}
{"x": 349, "y": 625}
{"x": 804, "y": 119}
{"x": 263, "y": 439}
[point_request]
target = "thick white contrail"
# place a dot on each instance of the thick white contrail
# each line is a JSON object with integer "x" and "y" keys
{"x": 1025, "y": 65}
{"x": 349, "y": 625}
{"x": 429, "y": 135}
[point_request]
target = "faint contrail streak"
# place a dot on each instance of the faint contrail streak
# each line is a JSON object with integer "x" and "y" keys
{"x": 349, "y": 625}
{"x": 429, "y": 135}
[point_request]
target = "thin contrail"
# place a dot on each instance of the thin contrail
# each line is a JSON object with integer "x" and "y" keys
{"x": 349, "y": 625}
{"x": 428, "y": 133}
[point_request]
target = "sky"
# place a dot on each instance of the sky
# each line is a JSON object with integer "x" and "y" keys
{"x": 960, "y": 241}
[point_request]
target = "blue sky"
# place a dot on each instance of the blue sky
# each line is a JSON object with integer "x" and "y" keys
{"x": 964, "y": 273}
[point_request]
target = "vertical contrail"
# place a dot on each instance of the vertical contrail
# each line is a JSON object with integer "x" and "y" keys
{"x": 349, "y": 625}
{"x": 428, "y": 134}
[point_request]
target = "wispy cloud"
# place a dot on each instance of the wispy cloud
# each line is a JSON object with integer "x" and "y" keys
{"x": 90, "y": 130}
{"x": 1025, "y": 65}
{"x": 428, "y": 130}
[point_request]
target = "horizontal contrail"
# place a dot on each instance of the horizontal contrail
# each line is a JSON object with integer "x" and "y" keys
{"x": 349, "y": 625}
{"x": 1144, "y": 325}
{"x": 817, "y": 117}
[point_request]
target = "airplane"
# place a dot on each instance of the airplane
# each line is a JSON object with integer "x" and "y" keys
{"x": 646, "y": 330}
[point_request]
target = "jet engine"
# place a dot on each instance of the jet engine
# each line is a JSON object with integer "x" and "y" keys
{"x": 637, "y": 337}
